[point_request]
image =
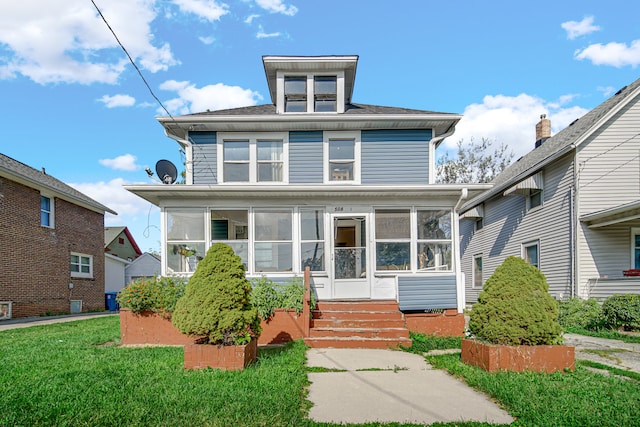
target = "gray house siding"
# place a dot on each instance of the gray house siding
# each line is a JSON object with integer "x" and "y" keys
{"x": 204, "y": 151}
{"x": 395, "y": 156}
{"x": 426, "y": 292}
{"x": 508, "y": 226}
{"x": 305, "y": 157}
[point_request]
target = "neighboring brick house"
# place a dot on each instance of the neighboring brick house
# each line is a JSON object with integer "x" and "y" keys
{"x": 51, "y": 244}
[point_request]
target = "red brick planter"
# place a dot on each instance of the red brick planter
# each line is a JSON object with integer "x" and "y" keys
{"x": 520, "y": 358}
{"x": 282, "y": 327}
{"x": 228, "y": 357}
{"x": 149, "y": 328}
{"x": 449, "y": 323}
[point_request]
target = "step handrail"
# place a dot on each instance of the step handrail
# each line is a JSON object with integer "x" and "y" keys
{"x": 306, "y": 308}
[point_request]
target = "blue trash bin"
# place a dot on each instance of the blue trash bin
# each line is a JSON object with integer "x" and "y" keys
{"x": 110, "y": 301}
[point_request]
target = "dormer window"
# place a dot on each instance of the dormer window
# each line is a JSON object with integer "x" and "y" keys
{"x": 325, "y": 94}
{"x": 295, "y": 94}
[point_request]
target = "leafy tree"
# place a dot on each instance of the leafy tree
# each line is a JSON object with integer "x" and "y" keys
{"x": 475, "y": 162}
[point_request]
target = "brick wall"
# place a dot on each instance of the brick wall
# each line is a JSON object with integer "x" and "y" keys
{"x": 34, "y": 260}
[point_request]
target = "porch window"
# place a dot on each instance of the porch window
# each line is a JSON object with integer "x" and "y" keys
{"x": 81, "y": 265}
{"x": 231, "y": 227}
{"x": 393, "y": 239}
{"x": 312, "y": 239}
{"x": 434, "y": 239}
{"x": 236, "y": 161}
{"x": 477, "y": 272}
{"x": 273, "y": 246}
{"x": 46, "y": 212}
{"x": 185, "y": 239}
{"x": 531, "y": 253}
{"x": 342, "y": 159}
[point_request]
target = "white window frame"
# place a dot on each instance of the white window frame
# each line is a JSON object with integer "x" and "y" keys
{"x": 253, "y": 139}
{"x": 302, "y": 241}
{"x": 292, "y": 241}
{"x": 635, "y": 231}
{"x": 529, "y": 204}
{"x": 411, "y": 240}
{"x": 527, "y": 245}
{"x": 351, "y": 135}
{"x": 340, "y": 95}
{"x": 80, "y": 274}
{"x": 51, "y": 210}
{"x": 473, "y": 272}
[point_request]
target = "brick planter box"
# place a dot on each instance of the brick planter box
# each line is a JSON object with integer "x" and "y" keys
{"x": 149, "y": 328}
{"x": 228, "y": 357}
{"x": 282, "y": 327}
{"x": 520, "y": 358}
{"x": 449, "y": 323}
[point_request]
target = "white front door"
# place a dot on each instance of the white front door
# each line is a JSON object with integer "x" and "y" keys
{"x": 349, "y": 257}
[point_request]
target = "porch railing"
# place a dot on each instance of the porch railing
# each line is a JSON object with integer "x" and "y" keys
{"x": 306, "y": 309}
{"x": 602, "y": 288}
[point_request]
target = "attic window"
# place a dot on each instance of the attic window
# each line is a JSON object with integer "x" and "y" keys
{"x": 121, "y": 240}
{"x": 325, "y": 94}
{"x": 295, "y": 94}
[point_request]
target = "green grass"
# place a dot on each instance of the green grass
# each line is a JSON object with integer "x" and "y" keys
{"x": 613, "y": 335}
{"x": 421, "y": 343}
{"x": 76, "y": 374}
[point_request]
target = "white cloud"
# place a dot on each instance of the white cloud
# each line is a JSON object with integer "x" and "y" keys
{"x": 207, "y": 40}
{"x": 209, "y": 10}
{"x": 250, "y": 18}
{"x": 614, "y": 54}
{"x": 277, "y": 6}
{"x": 576, "y": 29}
{"x": 66, "y": 41}
{"x": 126, "y": 162}
{"x": 211, "y": 97}
{"x": 118, "y": 101}
{"x": 262, "y": 35}
{"x": 607, "y": 91}
{"x": 511, "y": 120}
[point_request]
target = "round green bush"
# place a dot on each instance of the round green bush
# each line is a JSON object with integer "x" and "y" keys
{"x": 580, "y": 313}
{"x": 515, "y": 307}
{"x": 157, "y": 294}
{"x": 216, "y": 304}
{"x": 622, "y": 312}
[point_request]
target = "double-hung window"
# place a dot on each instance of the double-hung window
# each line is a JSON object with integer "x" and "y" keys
{"x": 635, "y": 247}
{"x": 46, "y": 211}
{"x": 342, "y": 154}
{"x": 253, "y": 159}
{"x": 434, "y": 239}
{"x": 531, "y": 253}
{"x": 393, "y": 239}
{"x": 312, "y": 239}
{"x": 273, "y": 245}
{"x": 81, "y": 265}
{"x": 325, "y": 94}
{"x": 232, "y": 227}
{"x": 295, "y": 94}
{"x": 185, "y": 239}
{"x": 534, "y": 199}
{"x": 477, "y": 272}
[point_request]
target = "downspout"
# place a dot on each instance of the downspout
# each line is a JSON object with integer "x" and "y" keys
{"x": 464, "y": 193}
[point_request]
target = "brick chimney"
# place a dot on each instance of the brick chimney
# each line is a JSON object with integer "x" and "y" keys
{"x": 543, "y": 130}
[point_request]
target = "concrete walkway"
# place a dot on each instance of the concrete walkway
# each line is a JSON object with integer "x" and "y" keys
{"x": 619, "y": 354}
{"x": 26, "y": 322}
{"x": 363, "y": 385}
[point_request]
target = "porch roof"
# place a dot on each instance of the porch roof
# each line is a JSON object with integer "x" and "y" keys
{"x": 159, "y": 193}
{"x": 614, "y": 215}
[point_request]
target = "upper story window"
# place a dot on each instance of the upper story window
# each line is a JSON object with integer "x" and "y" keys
{"x": 342, "y": 159}
{"x": 46, "y": 212}
{"x": 477, "y": 272}
{"x": 311, "y": 93}
{"x": 325, "y": 94}
{"x": 253, "y": 159}
{"x": 535, "y": 199}
{"x": 295, "y": 94}
{"x": 81, "y": 265}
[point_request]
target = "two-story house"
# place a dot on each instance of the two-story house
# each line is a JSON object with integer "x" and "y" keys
{"x": 120, "y": 250}
{"x": 51, "y": 250}
{"x": 571, "y": 206}
{"x": 315, "y": 180}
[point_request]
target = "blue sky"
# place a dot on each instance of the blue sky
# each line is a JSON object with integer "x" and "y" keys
{"x": 71, "y": 102}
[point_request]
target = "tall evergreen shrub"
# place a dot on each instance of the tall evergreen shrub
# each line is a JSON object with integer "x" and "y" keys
{"x": 515, "y": 307}
{"x": 216, "y": 304}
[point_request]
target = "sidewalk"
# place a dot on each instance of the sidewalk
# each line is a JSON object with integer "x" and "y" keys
{"x": 363, "y": 385}
{"x": 25, "y": 322}
{"x": 619, "y": 354}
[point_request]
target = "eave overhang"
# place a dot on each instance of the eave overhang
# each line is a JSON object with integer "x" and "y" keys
{"x": 611, "y": 216}
{"x": 160, "y": 195}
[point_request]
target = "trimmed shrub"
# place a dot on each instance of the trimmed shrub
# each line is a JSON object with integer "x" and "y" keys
{"x": 157, "y": 294}
{"x": 580, "y": 313}
{"x": 216, "y": 305}
{"x": 267, "y": 296}
{"x": 622, "y": 312}
{"x": 515, "y": 307}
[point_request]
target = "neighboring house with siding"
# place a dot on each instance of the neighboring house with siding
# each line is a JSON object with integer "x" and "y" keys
{"x": 120, "y": 250}
{"x": 145, "y": 266}
{"x": 571, "y": 206}
{"x": 51, "y": 250}
{"x": 315, "y": 180}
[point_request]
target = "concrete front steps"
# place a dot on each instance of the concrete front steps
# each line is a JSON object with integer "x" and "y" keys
{"x": 357, "y": 324}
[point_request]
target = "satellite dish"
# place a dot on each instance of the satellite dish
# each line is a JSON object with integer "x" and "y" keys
{"x": 166, "y": 171}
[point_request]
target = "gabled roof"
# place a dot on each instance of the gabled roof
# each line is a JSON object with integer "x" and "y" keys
{"x": 265, "y": 118}
{"x": 111, "y": 233}
{"x": 558, "y": 145}
{"x": 26, "y": 175}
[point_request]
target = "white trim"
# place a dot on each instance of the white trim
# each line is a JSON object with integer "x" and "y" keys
{"x": 473, "y": 272}
{"x": 356, "y": 137}
{"x": 52, "y": 209}
{"x": 7, "y": 314}
{"x": 634, "y": 232}
{"x": 80, "y": 274}
{"x": 529, "y": 244}
{"x": 253, "y": 138}
{"x": 310, "y": 75}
